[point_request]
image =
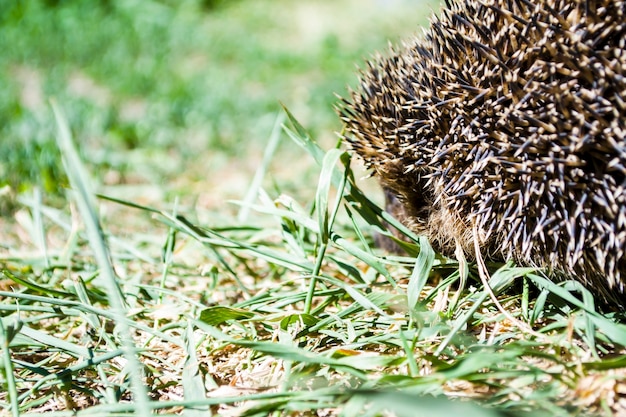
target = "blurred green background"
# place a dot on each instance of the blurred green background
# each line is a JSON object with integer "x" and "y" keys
{"x": 176, "y": 93}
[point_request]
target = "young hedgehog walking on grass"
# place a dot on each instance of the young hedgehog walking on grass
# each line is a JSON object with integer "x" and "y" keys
{"x": 505, "y": 125}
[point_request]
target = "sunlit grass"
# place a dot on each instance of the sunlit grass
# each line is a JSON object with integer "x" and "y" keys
{"x": 298, "y": 317}
{"x": 143, "y": 288}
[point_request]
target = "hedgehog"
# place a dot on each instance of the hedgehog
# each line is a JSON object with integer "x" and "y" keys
{"x": 504, "y": 125}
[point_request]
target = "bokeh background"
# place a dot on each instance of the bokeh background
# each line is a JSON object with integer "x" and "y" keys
{"x": 169, "y": 97}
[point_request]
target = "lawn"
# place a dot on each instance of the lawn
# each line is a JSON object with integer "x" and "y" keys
{"x": 183, "y": 233}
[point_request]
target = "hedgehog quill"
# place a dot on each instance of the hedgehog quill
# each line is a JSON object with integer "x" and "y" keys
{"x": 508, "y": 117}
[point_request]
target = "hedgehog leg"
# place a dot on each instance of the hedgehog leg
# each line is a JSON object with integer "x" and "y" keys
{"x": 394, "y": 207}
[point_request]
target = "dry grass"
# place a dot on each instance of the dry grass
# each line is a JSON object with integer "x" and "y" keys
{"x": 160, "y": 297}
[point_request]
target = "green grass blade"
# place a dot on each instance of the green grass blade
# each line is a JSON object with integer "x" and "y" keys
{"x": 616, "y": 332}
{"x": 85, "y": 201}
{"x": 302, "y": 138}
{"x": 205, "y": 236}
{"x": 6, "y": 334}
{"x": 193, "y": 383}
{"x": 55, "y": 342}
{"x": 255, "y": 185}
{"x": 421, "y": 271}
{"x": 329, "y": 167}
{"x": 216, "y": 315}
{"x": 409, "y": 405}
{"x": 34, "y": 286}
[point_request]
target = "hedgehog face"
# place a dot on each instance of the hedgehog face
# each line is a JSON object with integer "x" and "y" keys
{"x": 508, "y": 117}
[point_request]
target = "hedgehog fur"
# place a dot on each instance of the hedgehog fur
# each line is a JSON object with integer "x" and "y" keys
{"x": 508, "y": 117}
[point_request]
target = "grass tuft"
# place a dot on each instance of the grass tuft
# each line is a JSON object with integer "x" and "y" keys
{"x": 303, "y": 315}
{"x": 116, "y": 305}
